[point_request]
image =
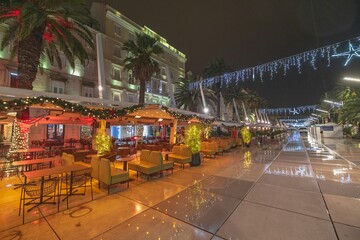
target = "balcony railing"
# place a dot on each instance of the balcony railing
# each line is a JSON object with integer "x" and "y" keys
{"x": 157, "y": 91}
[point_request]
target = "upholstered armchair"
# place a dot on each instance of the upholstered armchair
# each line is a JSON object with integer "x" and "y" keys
{"x": 110, "y": 175}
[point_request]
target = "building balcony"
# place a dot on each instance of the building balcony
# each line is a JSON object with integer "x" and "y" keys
{"x": 157, "y": 92}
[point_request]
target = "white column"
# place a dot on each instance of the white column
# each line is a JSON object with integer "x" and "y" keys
{"x": 100, "y": 66}
{"x": 170, "y": 88}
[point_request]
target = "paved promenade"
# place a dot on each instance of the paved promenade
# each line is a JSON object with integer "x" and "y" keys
{"x": 296, "y": 190}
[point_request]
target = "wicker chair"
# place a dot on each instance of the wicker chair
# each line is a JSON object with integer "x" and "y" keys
{"x": 38, "y": 192}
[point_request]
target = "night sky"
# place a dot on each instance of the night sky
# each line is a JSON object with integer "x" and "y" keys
{"x": 247, "y": 33}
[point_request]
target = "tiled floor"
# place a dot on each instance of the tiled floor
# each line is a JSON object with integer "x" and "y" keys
{"x": 290, "y": 190}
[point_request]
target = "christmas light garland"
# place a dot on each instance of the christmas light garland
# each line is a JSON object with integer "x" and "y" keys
{"x": 289, "y": 110}
{"x": 346, "y": 50}
{"x": 21, "y": 103}
{"x": 187, "y": 117}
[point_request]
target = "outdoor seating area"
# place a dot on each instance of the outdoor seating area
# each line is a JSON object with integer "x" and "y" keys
{"x": 70, "y": 175}
{"x": 219, "y": 183}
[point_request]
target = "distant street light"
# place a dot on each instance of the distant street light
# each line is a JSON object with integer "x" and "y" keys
{"x": 352, "y": 79}
{"x": 320, "y": 110}
{"x": 206, "y": 110}
{"x": 335, "y": 103}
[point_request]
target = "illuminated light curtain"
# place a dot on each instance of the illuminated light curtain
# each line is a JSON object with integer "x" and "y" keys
{"x": 344, "y": 50}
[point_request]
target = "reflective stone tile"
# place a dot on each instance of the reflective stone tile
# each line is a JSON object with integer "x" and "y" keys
{"x": 185, "y": 178}
{"x": 292, "y": 159}
{"x": 327, "y": 160}
{"x": 206, "y": 210}
{"x": 244, "y": 172}
{"x": 252, "y": 221}
{"x": 207, "y": 169}
{"x": 217, "y": 238}
{"x": 152, "y": 192}
{"x": 304, "y": 202}
{"x": 346, "y": 232}
{"x": 226, "y": 186}
{"x": 10, "y": 218}
{"x": 91, "y": 219}
{"x": 344, "y": 209}
{"x": 290, "y": 169}
{"x": 345, "y": 188}
{"x": 38, "y": 229}
{"x": 152, "y": 224}
{"x": 295, "y": 182}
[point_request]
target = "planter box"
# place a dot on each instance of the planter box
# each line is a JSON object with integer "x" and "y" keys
{"x": 195, "y": 159}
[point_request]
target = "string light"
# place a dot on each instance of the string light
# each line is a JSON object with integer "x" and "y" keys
{"x": 69, "y": 106}
{"x": 187, "y": 117}
{"x": 293, "y": 110}
{"x": 20, "y": 137}
{"x": 349, "y": 54}
{"x": 285, "y": 64}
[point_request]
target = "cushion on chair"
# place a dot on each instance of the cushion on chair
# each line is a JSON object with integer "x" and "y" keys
{"x": 144, "y": 154}
{"x": 118, "y": 175}
{"x": 167, "y": 165}
{"x": 110, "y": 175}
{"x": 95, "y": 164}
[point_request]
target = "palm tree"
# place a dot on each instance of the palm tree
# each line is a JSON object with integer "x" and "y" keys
{"x": 191, "y": 99}
{"x": 234, "y": 93}
{"x": 216, "y": 69}
{"x": 253, "y": 100}
{"x": 41, "y": 28}
{"x": 140, "y": 61}
{"x": 350, "y": 112}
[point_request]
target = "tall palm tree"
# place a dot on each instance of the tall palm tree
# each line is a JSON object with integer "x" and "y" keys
{"x": 140, "y": 61}
{"x": 41, "y": 28}
{"x": 253, "y": 100}
{"x": 234, "y": 93}
{"x": 191, "y": 99}
{"x": 216, "y": 69}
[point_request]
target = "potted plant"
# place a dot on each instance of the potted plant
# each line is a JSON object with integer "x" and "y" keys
{"x": 102, "y": 143}
{"x": 246, "y": 136}
{"x": 193, "y": 142}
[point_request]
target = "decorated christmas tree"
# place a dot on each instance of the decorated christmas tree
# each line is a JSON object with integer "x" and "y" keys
{"x": 19, "y": 137}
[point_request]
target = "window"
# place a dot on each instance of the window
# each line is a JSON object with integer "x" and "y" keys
{"x": 162, "y": 87}
{"x": 88, "y": 91}
{"x": 117, "y": 51}
{"x": 117, "y": 30}
{"x": 14, "y": 81}
{"x": 131, "y": 97}
{"x": 55, "y": 131}
{"x": 116, "y": 96}
{"x": 58, "y": 87}
{"x": 116, "y": 73}
{"x": 131, "y": 77}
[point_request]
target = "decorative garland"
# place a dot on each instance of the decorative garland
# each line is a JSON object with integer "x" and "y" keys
{"x": 347, "y": 52}
{"x": 292, "y": 110}
{"x": 187, "y": 117}
{"x": 21, "y": 103}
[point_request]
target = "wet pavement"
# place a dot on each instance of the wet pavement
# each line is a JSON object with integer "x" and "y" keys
{"x": 298, "y": 189}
